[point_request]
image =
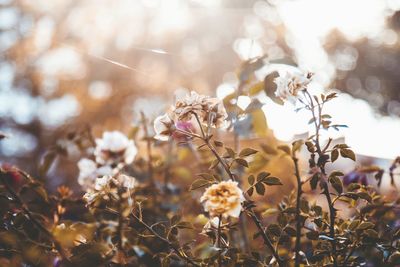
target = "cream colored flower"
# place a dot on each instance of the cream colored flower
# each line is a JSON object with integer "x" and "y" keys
{"x": 224, "y": 198}
{"x": 114, "y": 148}
{"x": 290, "y": 84}
{"x": 88, "y": 172}
{"x": 210, "y": 111}
{"x": 164, "y": 127}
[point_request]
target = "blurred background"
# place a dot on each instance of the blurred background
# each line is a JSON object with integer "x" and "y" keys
{"x": 68, "y": 64}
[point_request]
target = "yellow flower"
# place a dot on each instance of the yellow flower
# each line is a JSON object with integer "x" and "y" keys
{"x": 224, "y": 198}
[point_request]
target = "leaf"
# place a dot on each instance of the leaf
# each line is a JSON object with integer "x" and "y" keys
{"x": 218, "y": 143}
{"x": 314, "y": 181}
{"x": 231, "y": 153}
{"x": 334, "y": 155}
{"x": 242, "y": 162}
{"x": 337, "y": 184}
{"x": 262, "y": 175}
{"x": 247, "y": 152}
{"x": 348, "y": 153}
{"x": 296, "y": 145}
{"x": 310, "y": 147}
{"x": 214, "y": 164}
{"x": 250, "y": 191}
{"x": 364, "y": 195}
{"x": 199, "y": 183}
{"x": 272, "y": 181}
{"x": 256, "y": 88}
{"x": 268, "y": 149}
{"x": 365, "y": 225}
{"x": 260, "y": 189}
{"x": 251, "y": 179}
{"x": 270, "y": 87}
{"x": 285, "y": 149}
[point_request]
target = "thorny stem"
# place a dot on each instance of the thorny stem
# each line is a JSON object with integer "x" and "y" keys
{"x": 321, "y": 165}
{"x": 298, "y": 199}
{"x": 267, "y": 241}
{"x": 180, "y": 254}
{"x": 24, "y": 208}
{"x": 254, "y": 217}
{"x": 219, "y": 239}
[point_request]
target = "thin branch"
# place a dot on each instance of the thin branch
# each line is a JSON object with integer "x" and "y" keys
{"x": 298, "y": 200}
{"x": 27, "y": 212}
{"x": 169, "y": 243}
{"x": 321, "y": 165}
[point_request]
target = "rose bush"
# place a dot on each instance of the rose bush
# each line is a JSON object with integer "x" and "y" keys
{"x": 132, "y": 211}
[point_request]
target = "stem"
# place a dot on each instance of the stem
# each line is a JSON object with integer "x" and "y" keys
{"x": 298, "y": 222}
{"x": 169, "y": 243}
{"x": 149, "y": 157}
{"x": 39, "y": 225}
{"x": 321, "y": 165}
{"x": 219, "y": 239}
{"x": 268, "y": 242}
{"x": 120, "y": 228}
{"x": 251, "y": 212}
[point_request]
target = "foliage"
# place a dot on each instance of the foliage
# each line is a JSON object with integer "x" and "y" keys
{"x": 153, "y": 220}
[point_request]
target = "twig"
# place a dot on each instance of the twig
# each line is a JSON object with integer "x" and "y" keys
{"x": 321, "y": 165}
{"x": 169, "y": 243}
{"x": 298, "y": 200}
{"x": 26, "y": 211}
{"x": 149, "y": 157}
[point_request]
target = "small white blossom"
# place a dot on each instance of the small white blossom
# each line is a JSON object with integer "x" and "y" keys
{"x": 224, "y": 198}
{"x": 164, "y": 127}
{"x": 126, "y": 181}
{"x": 88, "y": 172}
{"x": 290, "y": 84}
{"x": 210, "y": 111}
{"x": 114, "y": 148}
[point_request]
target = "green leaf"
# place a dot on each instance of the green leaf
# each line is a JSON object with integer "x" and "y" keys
{"x": 272, "y": 181}
{"x": 230, "y": 153}
{"x": 260, "y": 189}
{"x": 247, "y": 152}
{"x": 251, "y": 179}
{"x": 262, "y": 175}
{"x": 296, "y": 145}
{"x": 334, "y": 155}
{"x": 242, "y": 162}
{"x": 337, "y": 184}
{"x": 347, "y": 153}
{"x": 199, "y": 183}
{"x": 314, "y": 181}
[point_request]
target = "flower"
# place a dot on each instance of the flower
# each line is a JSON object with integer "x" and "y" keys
{"x": 210, "y": 111}
{"x": 114, "y": 148}
{"x": 290, "y": 84}
{"x": 88, "y": 172}
{"x": 164, "y": 127}
{"x": 224, "y": 198}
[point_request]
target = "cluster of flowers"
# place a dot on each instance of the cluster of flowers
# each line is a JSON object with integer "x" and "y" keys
{"x": 208, "y": 111}
{"x": 115, "y": 150}
{"x": 112, "y": 152}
